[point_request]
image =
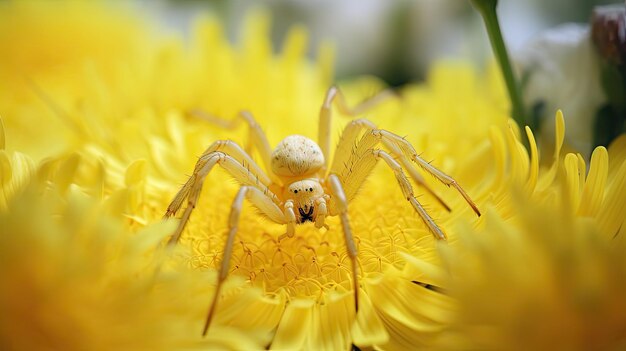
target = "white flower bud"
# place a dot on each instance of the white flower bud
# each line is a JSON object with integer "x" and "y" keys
{"x": 563, "y": 72}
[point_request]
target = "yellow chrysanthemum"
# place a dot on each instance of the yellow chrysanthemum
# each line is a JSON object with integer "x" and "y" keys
{"x": 132, "y": 145}
{"x": 58, "y": 46}
{"x": 547, "y": 268}
{"x": 75, "y": 276}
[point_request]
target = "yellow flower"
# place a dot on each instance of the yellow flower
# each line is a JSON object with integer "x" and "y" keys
{"x": 75, "y": 276}
{"x": 546, "y": 269}
{"x": 133, "y": 145}
{"x": 56, "y": 46}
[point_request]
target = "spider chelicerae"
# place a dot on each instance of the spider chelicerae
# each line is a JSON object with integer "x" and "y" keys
{"x": 299, "y": 185}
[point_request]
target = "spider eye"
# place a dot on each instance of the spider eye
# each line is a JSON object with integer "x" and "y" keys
{"x": 295, "y": 191}
{"x": 310, "y": 189}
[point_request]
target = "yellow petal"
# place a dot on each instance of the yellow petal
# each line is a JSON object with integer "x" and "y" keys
{"x": 257, "y": 51}
{"x": 582, "y": 170}
{"x": 149, "y": 237}
{"x": 2, "y": 136}
{"x": 162, "y": 158}
{"x": 294, "y": 325}
{"x": 617, "y": 155}
{"x": 518, "y": 156}
{"x": 6, "y": 172}
{"x": 409, "y": 304}
{"x": 222, "y": 338}
{"x": 533, "y": 172}
{"x": 116, "y": 203}
{"x": 99, "y": 179}
{"x": 548, "y": 178}
{"x": 295, "y": 46}
{"x": 422, "y": 271}
{"x": 613, "y": 211}
{"x": 572, "y": 180}
{"x": 500, "y": 154}
{"x": 593, "y": 190}
{"x": 251, "y": 310}
{"x": 175, "y": 130}
{"x": 403, "y": 337}
{"x": 559, "y": 133}
{"x": 325, "y": 63}
{"x": 331, "y": 322}
{"x": 136, "y": 173}
{"x": 368, "y": 329}
{"x": 67, "y": 171}
{"x": 207, "y": 34}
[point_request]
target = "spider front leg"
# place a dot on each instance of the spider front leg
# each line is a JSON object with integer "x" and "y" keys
{"x": 341, "y": 204}
{"x": 290, "y": 218}
{"x": 233, "y": 222}
{"x": 192, "y": 188}
{"x": 322, "y": 211}
{"x": 265, "y": 204}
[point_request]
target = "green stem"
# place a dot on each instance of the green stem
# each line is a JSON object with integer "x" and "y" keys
{"x": 487, "y": 9}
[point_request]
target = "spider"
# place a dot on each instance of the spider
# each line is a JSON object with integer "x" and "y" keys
{"x": 299, "y": 186}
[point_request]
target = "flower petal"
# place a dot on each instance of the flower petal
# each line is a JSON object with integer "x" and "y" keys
{"x": 331, "y": 322}
{"x": 6, "y": 172}
{"x": 613, "y": 212}
{"x": 572, "y": 181}
{"x": 2, "y": 135}
{"x": 593, "y": 191}
{"x": 518, "y": 157}
{"x": 500, "y": 154}
{"x": 293, "y": 329}
{"x": 66, "y": 172}
{"x": 252, "y": 311}
{"x": 411, "y": 305}
{"x": 617, "y": 155}
{"x": 548, "y": 178}
{"x": 368, "y": 329}
{"x": 136, "y": 173}
{"x": 533, "y": 172}
{"x": 426, "y": 272}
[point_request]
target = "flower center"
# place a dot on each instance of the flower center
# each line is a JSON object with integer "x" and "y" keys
{"x": 314, "y": 260}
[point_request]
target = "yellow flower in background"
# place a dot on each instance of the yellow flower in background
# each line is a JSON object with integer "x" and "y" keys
{"x": 94, "y": 215}
{"x": 57, "y": 46}
{"x": 75, "y": 276}
{"x": 546, "y": 268}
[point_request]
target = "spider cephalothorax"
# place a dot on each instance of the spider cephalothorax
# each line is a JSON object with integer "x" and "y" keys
{"x": 300, "y": 186}
{"x": 305, "y": 194}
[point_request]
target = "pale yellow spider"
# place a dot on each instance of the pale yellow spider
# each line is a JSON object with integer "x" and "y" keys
{"x": 299, "y": 186}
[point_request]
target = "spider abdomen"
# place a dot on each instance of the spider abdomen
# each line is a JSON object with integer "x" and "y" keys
{"x": 296, "y": 156}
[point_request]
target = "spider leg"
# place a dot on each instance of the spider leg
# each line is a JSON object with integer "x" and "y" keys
{"x": 392, "y": 141}
{"x": 334, "y": 94}
{"x": 362, "y": 163}
{"x": 192, "y": 188}
{"x": 407, "y": 191}
{"x": 263, "y": 203}
{"x": 257, "y": 136}
{"x": 233, "y": 149}
{"x": 322, "y": 212}
{"x": 290, "y": 217}
{"x": 345, "y": 146}
{"x": 342, "y": 206}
